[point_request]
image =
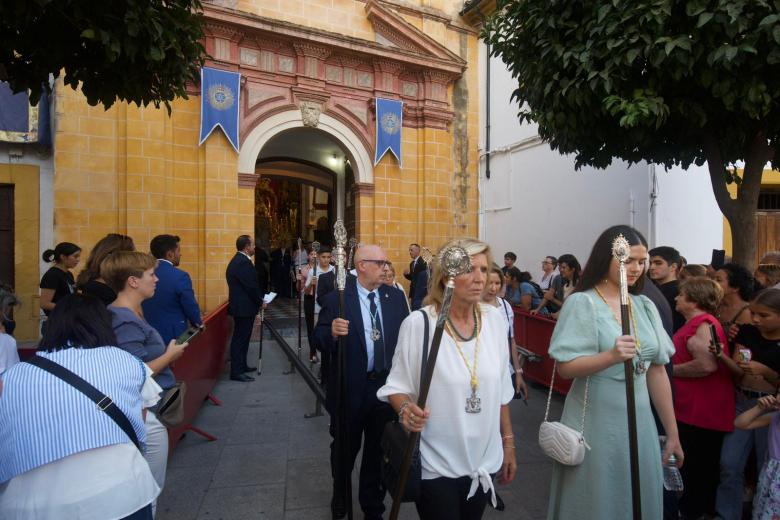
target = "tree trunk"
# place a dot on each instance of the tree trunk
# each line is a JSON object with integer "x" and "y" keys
{"x": 740, "y": 212}
{"x": 743, "y": 233}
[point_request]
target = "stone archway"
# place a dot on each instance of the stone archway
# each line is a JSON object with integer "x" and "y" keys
{"x": 362, "y": 165}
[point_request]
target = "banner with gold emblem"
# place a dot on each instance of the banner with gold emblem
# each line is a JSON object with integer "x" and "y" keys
{"x": 389, "y": 121}
{"x": 219, "y": 102}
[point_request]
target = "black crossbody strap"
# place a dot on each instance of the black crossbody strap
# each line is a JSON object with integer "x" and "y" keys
{"x": 425, "y": 345}
{"x": 103, "y": 402}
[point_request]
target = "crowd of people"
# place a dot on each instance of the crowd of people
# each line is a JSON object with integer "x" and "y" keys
{"x": 704, "y": 344}
{"x": 86, "y": 418}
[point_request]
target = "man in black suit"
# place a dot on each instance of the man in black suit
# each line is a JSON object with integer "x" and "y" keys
{"x": 416, "y": 293}
{"x": 372, "y": 317}
{"x": 244, "y": 302}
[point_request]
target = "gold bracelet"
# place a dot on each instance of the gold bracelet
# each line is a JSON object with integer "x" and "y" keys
{"x": 509, "y": 447}
{"x": 510, "y": 436}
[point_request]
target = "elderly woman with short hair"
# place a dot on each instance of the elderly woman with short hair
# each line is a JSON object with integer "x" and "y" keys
{"x": 704, "y": 395}
{"x": 466, "y": 428}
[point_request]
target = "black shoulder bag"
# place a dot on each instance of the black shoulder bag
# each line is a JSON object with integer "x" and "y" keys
{"x": 103, "y": 402}
{"x": 393, "y": 444}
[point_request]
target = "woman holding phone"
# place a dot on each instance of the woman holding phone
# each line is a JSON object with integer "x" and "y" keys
{"x": 131, "y": 275}
{"x": 704, "y": 394}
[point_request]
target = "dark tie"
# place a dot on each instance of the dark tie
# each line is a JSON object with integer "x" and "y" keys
{"x": 379, "y": 345}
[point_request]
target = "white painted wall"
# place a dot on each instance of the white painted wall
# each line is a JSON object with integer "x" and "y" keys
{"x": 687, "y": 216}
{"x": 536, "y": 204}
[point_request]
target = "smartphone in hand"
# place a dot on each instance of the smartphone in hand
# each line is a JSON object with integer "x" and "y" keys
{"x": 715, "y": 340}
{"x": 188, "y": 335}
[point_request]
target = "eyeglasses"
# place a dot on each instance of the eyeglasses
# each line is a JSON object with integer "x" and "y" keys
{"x": 546, "y": 262}
{"x": 380, "y": 263}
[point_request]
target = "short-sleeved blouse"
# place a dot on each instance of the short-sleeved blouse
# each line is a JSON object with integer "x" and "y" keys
{"x": 455, "y": 443}
{"x": 136, "y": 336}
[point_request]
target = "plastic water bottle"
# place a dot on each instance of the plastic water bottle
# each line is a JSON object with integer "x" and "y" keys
{"x": 672, "y": 479}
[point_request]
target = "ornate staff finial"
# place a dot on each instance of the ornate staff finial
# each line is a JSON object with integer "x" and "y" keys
{"x": 315, "y": 246}
{"x": 426, "y": 255}
{"x": 340, "y": 235}
{"x": 454, "y": 261}
{"x": 621, "y": 250}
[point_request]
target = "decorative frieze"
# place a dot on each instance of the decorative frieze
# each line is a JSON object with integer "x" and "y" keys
{"x": 286, "y": 64}
{"x": 249, "y": 57}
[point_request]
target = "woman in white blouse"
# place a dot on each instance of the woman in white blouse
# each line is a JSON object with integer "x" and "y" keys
{"x": 466, "y": 428}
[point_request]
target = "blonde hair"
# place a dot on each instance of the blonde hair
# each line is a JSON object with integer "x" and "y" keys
{"x": 121, "y": 265}
{"x": 436, "y": 283}
{"x": 702, "y": 291}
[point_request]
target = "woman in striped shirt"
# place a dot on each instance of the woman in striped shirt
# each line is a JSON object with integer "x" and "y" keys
{"x": 62, "y": 456}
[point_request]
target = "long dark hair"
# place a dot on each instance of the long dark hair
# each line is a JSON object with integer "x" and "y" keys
{"x": 600, "y": 258}
{"x": 62, "y": 249}
{"x": 573, "y": 264}
{"x": 104, "y": 247}
{"x": 78, "y": 320}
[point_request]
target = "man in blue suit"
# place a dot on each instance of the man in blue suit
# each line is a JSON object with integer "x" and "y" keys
{"x": 244, "y": 302}
{"x": 173, "y": 303}
{"x": 372, "y": 317}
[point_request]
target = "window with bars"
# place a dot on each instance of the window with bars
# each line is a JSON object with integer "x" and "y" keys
{"x": 769, "y": 200}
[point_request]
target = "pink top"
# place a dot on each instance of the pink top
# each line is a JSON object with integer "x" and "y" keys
{"x": 706, "y": 402}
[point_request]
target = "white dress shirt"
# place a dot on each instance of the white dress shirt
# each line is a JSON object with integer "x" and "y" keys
{"x": 365, "y": 312}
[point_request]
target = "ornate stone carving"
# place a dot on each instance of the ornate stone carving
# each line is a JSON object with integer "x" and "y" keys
{"x": 309, "y": 49}
{"x": 249, "y": 56}
{"x": 409, "y": 89}
{"x": 333, "y": 73}
{"x": 310, "y": 113}
{"x": 286, "y": 64}
{"x": 365, "y": 79}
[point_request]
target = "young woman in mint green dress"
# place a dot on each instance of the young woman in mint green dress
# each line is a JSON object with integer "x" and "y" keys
{"x": 587, "y": 342}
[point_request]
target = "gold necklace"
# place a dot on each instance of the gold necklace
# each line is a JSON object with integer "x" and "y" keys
{"x": 641, "y": 367}
{"x": 473, "y": 403}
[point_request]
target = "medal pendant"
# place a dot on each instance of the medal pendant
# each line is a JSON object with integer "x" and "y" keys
{"x": 641, "y": 368}
{"x": 473, "y": 403}
{"x": 375, "y": 335}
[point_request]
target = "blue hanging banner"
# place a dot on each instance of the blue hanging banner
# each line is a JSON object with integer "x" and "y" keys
{"x": 389, "y": 121}
{"x": 19, "y": 121}
{"x": 219, "y": 102}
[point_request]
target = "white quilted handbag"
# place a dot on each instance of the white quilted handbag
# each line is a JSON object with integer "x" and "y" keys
{"x": 560, "y": 442}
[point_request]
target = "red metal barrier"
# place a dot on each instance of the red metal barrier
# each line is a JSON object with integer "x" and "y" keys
{"x": 533, "y": 333}
{"x": 200, "y": 367}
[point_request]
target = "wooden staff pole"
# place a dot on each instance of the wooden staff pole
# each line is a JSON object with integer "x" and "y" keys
{"x": 621, "y": 250}
{"x": 454, "y": 261}
{"x": 343, "y": 458}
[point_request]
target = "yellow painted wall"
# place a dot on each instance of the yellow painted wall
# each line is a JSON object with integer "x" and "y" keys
{"x": 25, "y": 179}
{"x": 769, "y": 178}
{"x": 140, "y": 171}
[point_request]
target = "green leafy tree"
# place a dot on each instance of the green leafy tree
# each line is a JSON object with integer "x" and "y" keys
{"x": 139, "y": 51}
{"x": 672, "y": 82}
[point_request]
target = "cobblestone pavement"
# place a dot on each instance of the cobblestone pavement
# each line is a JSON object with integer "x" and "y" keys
{"x": 269, "y": 462}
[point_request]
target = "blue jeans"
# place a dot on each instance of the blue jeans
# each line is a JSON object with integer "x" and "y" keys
{"x": 733, "y": 457}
